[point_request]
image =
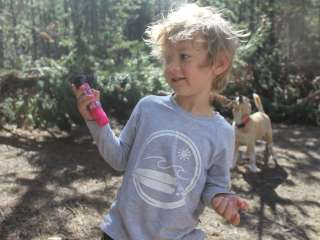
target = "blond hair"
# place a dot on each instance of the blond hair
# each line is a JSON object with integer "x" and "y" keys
{"x": 192, "y": 22}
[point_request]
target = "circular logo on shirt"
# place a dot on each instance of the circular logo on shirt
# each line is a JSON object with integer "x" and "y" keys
{"x": 167, "y": 169}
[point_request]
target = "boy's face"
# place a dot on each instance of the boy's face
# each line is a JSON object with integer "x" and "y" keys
{"x": 187, "y": 69}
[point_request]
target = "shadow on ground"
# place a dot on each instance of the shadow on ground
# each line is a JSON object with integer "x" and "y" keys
{"x": 48, "y": 191}
{"x": 57, "y": 184}
{"x": 298, "y": 152}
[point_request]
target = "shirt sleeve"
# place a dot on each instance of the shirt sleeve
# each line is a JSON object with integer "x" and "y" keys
{"x": 113, "y": 149}
{"x": 218, "y": 175}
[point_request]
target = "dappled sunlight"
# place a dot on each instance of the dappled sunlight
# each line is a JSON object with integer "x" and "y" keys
{"x": 284, "y": 198}
{"x": 62, "y": 184}
{"x": 50, "y": 179}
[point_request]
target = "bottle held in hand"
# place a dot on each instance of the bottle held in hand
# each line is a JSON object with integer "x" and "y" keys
{"x": 95, "y": 108}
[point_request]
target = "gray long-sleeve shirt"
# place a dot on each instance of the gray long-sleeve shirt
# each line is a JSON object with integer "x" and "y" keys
{"x": 174, "y": 163}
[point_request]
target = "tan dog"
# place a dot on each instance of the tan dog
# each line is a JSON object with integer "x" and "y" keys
{"x": 249, "y": 127}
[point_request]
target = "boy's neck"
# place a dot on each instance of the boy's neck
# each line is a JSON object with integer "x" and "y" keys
{"x": 195, "y": 105}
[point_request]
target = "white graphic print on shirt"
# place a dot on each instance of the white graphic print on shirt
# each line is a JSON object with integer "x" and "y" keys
{"x": 163, "y": 178}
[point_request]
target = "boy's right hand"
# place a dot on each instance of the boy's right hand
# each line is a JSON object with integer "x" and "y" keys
{"x": 84, "y": 100}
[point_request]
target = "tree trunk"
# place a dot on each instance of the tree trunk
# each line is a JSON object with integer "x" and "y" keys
{"x": 66, "y": 6}
{"x": 77, "y": 24}
{"x": 1, "y": 41}
{"x": 14, "y": 25}
{"x": 34, "y": 34}
{"x": 319, "y": 22}
{"x": 252, "y": 15}
{"x": 94, "y": 20}
{"x": 46, "y": 20}
{"x": 271, "y": 14}
{"x": 52, "y": 11}
{"x": 53, "y": 46}
{"x": 240, "y": 12}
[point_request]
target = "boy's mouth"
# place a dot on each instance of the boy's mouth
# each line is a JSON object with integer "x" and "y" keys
{"x": 178, "y": 79}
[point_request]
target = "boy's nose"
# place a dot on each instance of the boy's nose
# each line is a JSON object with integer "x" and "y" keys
{"x": 173, "y": 67}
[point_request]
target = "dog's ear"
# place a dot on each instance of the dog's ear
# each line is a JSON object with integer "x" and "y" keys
{"x": 242, "y": 99}
{"x": 224, "y": 101}
{"x": 246, "y": 100}
{"x": 229, "y": 103}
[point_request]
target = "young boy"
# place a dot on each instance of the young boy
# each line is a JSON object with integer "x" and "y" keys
{"x": 175, "y": 151}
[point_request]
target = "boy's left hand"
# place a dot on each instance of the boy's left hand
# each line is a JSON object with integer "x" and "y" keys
{"x": 228, "y": 206}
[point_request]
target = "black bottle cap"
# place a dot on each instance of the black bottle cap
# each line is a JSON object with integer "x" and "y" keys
{"x": 80, "y": 79}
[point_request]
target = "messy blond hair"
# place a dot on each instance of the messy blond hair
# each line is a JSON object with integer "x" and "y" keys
{"x": 192, "y": 22}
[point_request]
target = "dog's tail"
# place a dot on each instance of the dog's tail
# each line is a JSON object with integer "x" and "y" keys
{"x": 257, "y": 102}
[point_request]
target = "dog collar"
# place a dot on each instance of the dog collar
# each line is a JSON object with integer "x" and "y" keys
{"x": 244, "y": 122}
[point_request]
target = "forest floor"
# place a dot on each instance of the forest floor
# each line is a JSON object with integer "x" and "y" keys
{"x": 54, "y": 185}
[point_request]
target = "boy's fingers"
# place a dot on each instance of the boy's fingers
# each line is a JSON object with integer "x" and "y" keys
{"x": 230, "y": 211}
{"x": 222, "y": 206}
{"x": 85, "y": 100}
{"x": 216, "y": 202}
{"x": 235, "y": 220}
{"x": 245, "y": 206}
{"x": 242, "y": 204}
{"x": 96, "y": 93}
{"x": 228, "y": 207}
{"x": 83, "y": 105}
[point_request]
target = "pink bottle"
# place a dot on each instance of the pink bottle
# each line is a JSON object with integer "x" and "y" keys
{"x": 95, "y": 108}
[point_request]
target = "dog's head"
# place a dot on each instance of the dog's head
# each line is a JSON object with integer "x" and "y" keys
{"x": 240, "y": 106}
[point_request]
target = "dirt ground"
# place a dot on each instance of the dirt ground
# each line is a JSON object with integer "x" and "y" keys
{"x": 55, "y": 186}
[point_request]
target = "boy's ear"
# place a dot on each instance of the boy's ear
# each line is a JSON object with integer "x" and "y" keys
{"x": 221, "y": 65}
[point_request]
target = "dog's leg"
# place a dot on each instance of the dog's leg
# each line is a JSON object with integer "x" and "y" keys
{"x": 235, "y": 157}
{"x": 252, "y": 159}
{"x": 269, "y": 153}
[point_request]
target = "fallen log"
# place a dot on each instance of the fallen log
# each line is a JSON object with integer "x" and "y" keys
{"x": 12, "y": 81}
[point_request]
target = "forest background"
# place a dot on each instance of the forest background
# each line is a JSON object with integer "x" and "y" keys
{"x": 45, "y": 42}
{"x": 55, "y": 185}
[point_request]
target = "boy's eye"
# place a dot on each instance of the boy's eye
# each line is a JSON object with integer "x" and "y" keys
{"x": 184, "y": 56}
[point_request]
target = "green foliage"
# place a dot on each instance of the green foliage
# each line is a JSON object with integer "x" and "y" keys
{"x": 138, "y": 78}
{"x": 53, "y": 103}
{"x": 279, "y": 62}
